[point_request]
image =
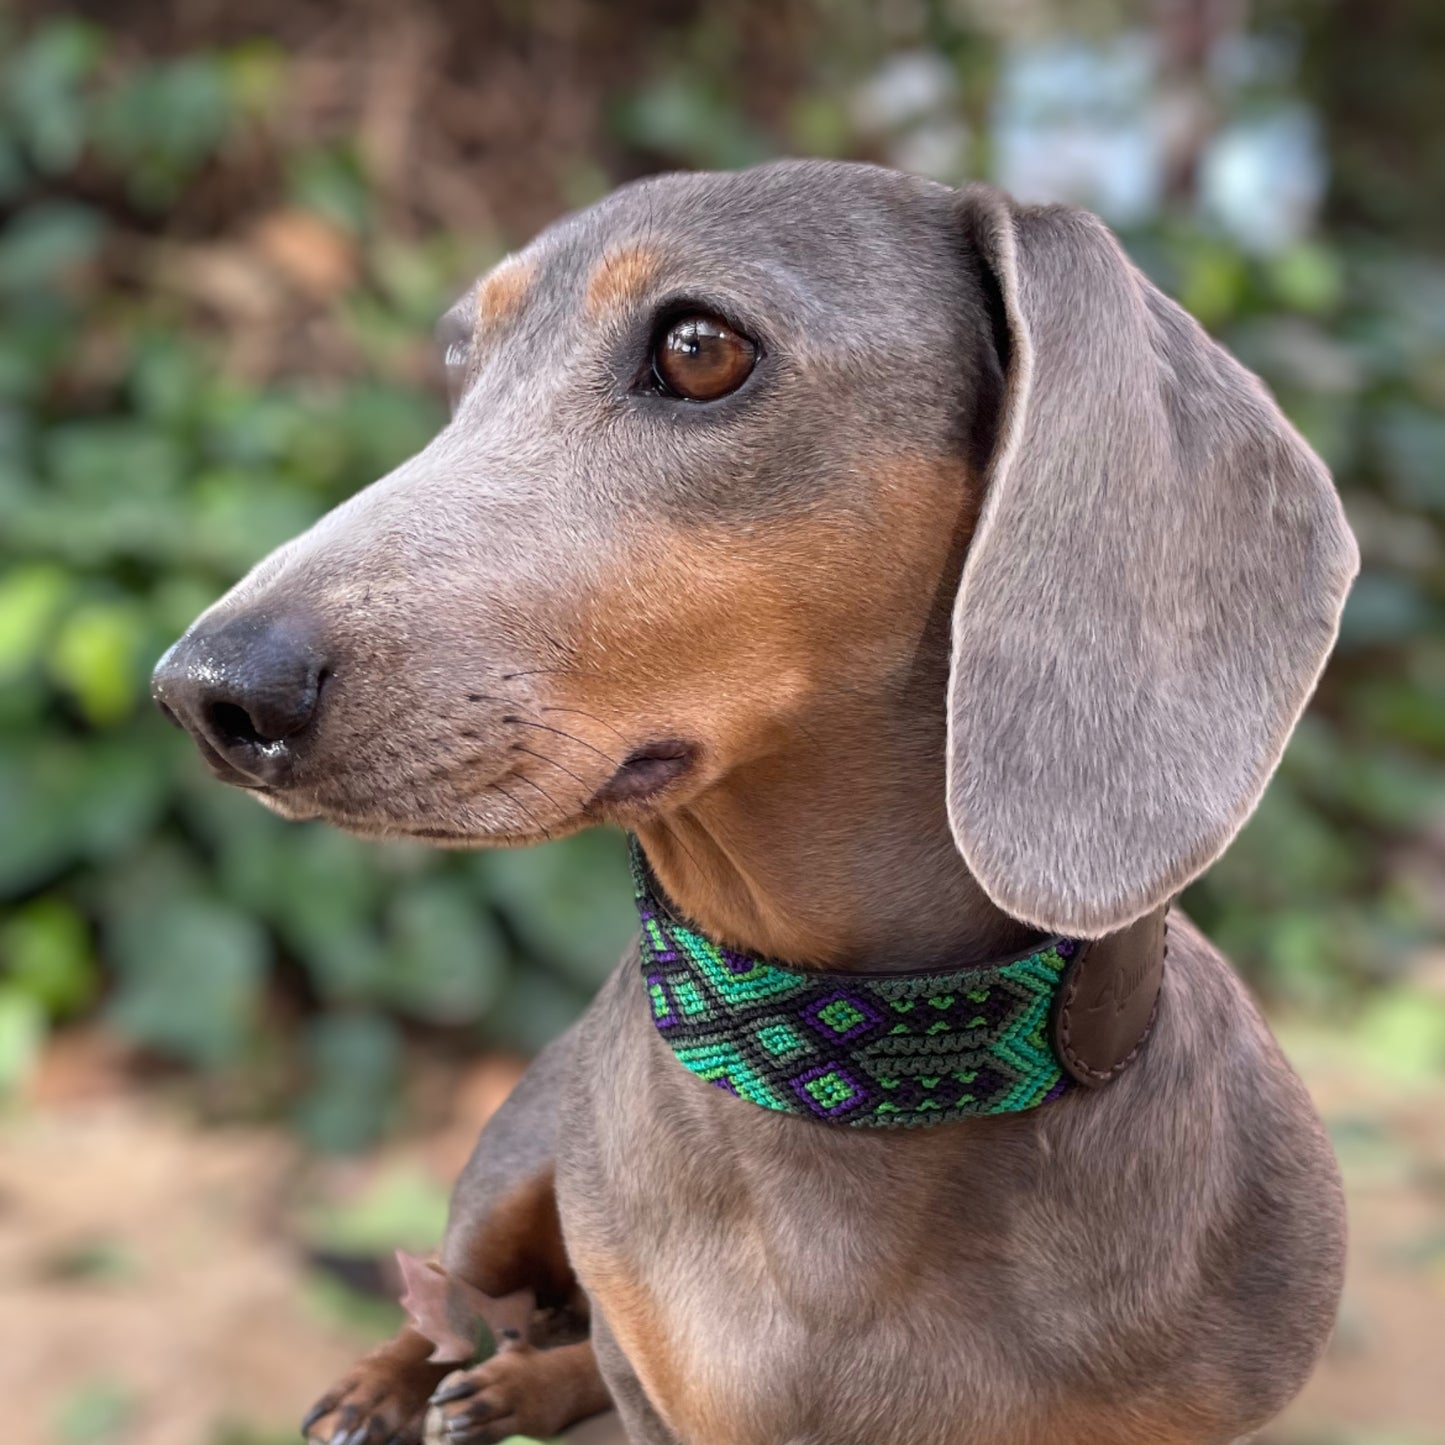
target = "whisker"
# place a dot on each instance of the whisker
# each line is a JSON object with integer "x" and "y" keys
{"x": 523, "y": 778}
{"x": 563, "y": 734}
{"x": 601, "y": 722}
{"x": 517, "y": 747}
{"x": 518, "y": 803}
{"x": 540, "y": 671}
{"x": 575, "y": 711}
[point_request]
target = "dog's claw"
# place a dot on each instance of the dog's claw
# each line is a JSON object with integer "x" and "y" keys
{"x": 322, "y": 1407}
{"x": 458, "y": 1391}
{"x": 363, "y": 1434}
{"x": 459, "y": 1427}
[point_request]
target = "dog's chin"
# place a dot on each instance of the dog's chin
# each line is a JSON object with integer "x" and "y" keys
{"x": 440, "y": 829}
{"x": 294, "y": 810}
{"x": 647, "y": 781}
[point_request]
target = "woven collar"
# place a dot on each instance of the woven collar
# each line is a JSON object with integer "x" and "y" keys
{"x": 860, "y": 1050}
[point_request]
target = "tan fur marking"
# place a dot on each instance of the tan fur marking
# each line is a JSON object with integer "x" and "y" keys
{"x": 634, "y": 1318}
{"x": 501, "y": 292}
{"x": 1082, "y": 1425}
{"x": 620, "y": 277}
{"x": 675, "y": 1390}
{"x": 520, "y": 1245}
{"x": 752, "y": 649}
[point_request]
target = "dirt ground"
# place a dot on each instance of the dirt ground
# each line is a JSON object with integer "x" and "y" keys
{"x": 165, "y": 1283}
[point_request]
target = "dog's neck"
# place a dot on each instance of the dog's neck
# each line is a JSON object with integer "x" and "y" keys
{"x": 834, "y": 850}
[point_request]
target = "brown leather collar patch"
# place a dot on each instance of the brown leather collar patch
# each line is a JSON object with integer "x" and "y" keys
{"x": 1106, "y": 1004}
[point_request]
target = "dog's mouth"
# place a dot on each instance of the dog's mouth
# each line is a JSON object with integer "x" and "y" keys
{"x": 639, "y": 781}
{"x": 645, "y": 772}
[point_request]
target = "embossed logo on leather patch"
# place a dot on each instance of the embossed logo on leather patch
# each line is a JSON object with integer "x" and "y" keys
{"x": 1106, "y": 1006}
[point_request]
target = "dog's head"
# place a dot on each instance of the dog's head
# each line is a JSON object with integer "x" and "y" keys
{"x": 728, "y": 452}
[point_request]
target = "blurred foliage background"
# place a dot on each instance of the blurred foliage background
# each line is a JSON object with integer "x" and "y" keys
{"x": 225, "y": 233}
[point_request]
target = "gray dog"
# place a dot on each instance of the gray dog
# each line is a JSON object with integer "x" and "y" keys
{"x": 932, "y": 600}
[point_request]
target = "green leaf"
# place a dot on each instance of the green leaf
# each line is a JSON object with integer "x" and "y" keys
{"x": 44, "y": 87}
{"x": 402, "y": 1207}
{"x": 95, "y": 1413}
{"x": 569, "y": 901}
{"x": 331, "y": 183}
{"x": 237, "y": 517}
{"x": 449, "y": 960}
{"x": 1308, "y": 277}
{"x": 22, "y": 1032}
{"x": 190, "y": 971}
{"x": 1403, "y": 1035}
{"x": 45, "y": 948}
{"x": 533, "y": 1011}
{"x": 30, "y": 600}
{"x": 65, "y": 800}
{"x": 355, "y": 1059}
{"x": 161, "y": 122}
{"x": 95, "y": 659}
{"x": 1213, "y": 282}
{"x": 45, "y": 242}
{"x": 681, "y": 115}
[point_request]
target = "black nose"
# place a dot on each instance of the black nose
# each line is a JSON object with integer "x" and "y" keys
{"x": 246, "y": 688}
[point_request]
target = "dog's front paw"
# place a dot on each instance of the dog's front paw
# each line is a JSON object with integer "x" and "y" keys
{"x": 519, "y": 1391}
{"x": 378, "y": 1403}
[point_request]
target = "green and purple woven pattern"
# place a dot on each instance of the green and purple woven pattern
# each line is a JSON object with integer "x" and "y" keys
{"x": 864, "y": 1051}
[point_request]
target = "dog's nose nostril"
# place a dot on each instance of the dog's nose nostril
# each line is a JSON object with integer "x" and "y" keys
{"x": 246, "y": 689}
{"x": 232, "y": 725}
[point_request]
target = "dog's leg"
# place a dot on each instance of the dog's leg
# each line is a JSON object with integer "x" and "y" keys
{"x": 503, "y": 1243}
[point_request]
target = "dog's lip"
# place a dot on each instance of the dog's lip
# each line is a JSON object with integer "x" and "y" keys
{"x": 646, "y": 771}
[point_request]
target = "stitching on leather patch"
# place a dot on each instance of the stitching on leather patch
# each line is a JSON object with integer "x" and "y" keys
{"x": 1065, "y": 1032}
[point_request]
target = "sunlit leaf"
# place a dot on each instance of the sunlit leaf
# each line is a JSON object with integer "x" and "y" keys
{"x": 30, "y": 599}
{"x": 95, "y": 659}
{"x": 46, "y": 953}
{"x": 22, "y": 1031}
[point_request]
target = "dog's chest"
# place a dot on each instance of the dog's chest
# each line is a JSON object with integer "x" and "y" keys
{"x": 740, "y": 1340}
{"x": 800, "y": 1283}
{"x": 815, "y": 1333}
{"x": 1019, "y": 1280}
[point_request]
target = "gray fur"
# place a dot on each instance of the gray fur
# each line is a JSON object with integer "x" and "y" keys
{"x": 1176, "y": 1237}
{"x": 1115, "y": 711}
{"x": 1106, "y": 670}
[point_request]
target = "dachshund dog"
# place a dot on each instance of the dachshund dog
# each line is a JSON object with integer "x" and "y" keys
{"x": 921, "y": 589}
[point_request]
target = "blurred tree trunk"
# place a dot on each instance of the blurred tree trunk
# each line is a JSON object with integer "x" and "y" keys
{"x": 1188, "y": 32}
{"x": 1372, "y": 70}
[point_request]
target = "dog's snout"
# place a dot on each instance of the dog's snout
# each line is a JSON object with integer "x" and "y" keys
{"x": 247, "y": 689}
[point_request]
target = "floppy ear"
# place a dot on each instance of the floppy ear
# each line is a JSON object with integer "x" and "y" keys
{"x": 1153, "y": 586}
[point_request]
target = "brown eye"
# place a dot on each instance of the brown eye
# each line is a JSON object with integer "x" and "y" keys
{"x": 701, "y": 358}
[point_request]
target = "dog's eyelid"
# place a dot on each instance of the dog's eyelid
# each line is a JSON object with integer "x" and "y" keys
{"x": 453, "y": 334}
{"x": 673, "y": 308}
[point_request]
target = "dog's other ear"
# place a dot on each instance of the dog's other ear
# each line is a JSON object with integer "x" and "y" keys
{"x": 1153, "y": 586}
